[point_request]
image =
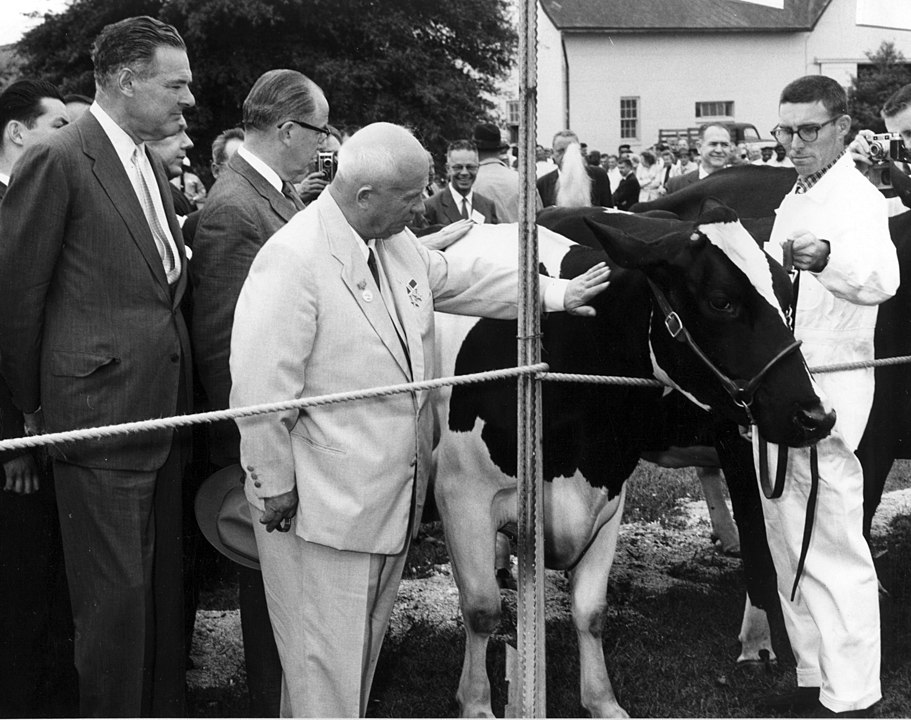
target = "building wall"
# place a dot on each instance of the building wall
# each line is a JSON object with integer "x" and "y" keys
{"x": 670, "y": 73}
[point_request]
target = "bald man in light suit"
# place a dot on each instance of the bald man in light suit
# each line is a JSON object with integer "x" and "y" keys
{"x": 312, "y": 319}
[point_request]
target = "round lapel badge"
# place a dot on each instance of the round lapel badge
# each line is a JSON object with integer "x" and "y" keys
{"x": 367, "y": 295}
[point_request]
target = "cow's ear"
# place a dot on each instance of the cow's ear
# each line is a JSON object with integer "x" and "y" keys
{"x": 715, "y": 211}
{"x": 630, "y": 252}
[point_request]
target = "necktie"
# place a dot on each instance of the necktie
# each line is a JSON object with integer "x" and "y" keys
{"x": 464, "y": 208}
{"x": 158, "y": 233}
{"x": 289, "y": 191}
{"x": 371, "y": 263}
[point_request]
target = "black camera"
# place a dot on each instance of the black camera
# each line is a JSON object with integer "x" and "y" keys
{"x": 884, "y": 149}
{"x": 327, "y": 164}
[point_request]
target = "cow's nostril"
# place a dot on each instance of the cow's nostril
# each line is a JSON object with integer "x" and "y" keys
{"x": 815, "y": 421}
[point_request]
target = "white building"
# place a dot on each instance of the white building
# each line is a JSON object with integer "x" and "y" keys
{"x": 618, "y": 71}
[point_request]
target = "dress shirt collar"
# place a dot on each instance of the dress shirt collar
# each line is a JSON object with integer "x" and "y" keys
{"x": 123, "y": 144}
{"x": 261, "y": 167}
{"x": 4, "y": 178}
{"x": 457, "y": 196}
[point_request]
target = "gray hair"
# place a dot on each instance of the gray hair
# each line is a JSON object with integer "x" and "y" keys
{"x": 131, "y": 43}
{"x": 278, "y": 96}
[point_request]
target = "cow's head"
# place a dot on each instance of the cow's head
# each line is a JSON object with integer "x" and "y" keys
{"x": 730, "y": 298}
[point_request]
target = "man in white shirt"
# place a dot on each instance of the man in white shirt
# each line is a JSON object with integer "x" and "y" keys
{"x": 97, "y": 272}
{"x": 458, "y": 200}
{"x": 284, "y": 117}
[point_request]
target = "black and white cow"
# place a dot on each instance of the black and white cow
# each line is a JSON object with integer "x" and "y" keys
{"x": 729, "y": 297}
{"x": 754, "y": 193}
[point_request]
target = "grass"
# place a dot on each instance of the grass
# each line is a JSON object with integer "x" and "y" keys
{"x": 670, "y": 653}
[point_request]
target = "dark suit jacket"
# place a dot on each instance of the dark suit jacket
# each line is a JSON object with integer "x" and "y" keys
{"x": 11, "y": 423}
{"x": 627, "y": 193}
{"x": 241, "y": 212}
{"x": 682, "y": 181}
{"x": 97, "y": 336}
{"x": 600, "y": 193}
{"x": 441, "y": 209}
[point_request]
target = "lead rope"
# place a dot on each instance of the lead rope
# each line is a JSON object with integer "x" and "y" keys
{"x": 774, "y": 492}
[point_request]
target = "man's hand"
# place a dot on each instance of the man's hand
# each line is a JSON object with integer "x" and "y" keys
{"x": 583, "y": 289}
{"x": 860, "y": 151}
{"x": 808, "y": 251}
{"x": 446, "y": 236}
{"x": 34, "y": 422}
{"x": 279, "y": 511}
{"x": 22, "y": 475}
{"x": 311, "y": 186}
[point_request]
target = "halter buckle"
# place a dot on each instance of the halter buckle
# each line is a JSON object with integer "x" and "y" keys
{"x": 673, "y": 323}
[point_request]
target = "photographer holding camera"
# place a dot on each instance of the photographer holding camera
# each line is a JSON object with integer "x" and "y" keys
{"x": 322, "y": 167}
{"x": 884, "y": 157}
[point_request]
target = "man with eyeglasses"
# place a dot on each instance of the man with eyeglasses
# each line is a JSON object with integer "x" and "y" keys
{"x": 284, "y": 118}
{"x": 832, "y": 230}
{"x": 458, "y": 201}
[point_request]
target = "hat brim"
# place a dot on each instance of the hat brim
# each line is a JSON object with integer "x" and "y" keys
{"x": 481, "y": 145}
{"x": 223, "y": 516}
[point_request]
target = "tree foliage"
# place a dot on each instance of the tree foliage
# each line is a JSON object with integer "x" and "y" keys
{"x": 888, "y": 71}
{"x": 429, "y": 66}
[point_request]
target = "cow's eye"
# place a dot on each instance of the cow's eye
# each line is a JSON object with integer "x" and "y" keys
{"x": 721, "y": 304}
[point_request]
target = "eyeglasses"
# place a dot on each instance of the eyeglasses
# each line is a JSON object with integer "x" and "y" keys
{"x": 460, "y": 168}
{"x": 323, "y": 130}
{"x": 807, "y": 133}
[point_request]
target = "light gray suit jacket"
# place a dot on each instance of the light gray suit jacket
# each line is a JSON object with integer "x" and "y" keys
{"x": 310, "y": 320}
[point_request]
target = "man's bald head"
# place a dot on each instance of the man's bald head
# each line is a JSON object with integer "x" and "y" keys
{"x": 382, "y": 170}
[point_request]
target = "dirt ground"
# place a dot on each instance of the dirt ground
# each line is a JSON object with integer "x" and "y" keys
{"x": 670, "y": 567}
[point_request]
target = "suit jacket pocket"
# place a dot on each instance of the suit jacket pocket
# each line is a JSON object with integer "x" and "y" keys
{"x": 77, "y": 364}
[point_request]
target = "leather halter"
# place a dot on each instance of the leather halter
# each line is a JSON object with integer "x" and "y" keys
{"x": 741, "y": 392}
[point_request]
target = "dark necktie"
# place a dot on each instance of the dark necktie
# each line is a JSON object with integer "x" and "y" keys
{"x": 464, "y": 208}
{"x": 371, "y": 263}
{"x": 289, "y": 192}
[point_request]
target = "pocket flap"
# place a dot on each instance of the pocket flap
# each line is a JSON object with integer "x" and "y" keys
{"x": 77, "y": 364}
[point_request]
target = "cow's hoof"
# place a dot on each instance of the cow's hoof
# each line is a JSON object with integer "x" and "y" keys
{"x": 765, "y": 663}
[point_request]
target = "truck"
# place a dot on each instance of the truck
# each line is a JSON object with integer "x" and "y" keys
{"x": 740, "y": 133}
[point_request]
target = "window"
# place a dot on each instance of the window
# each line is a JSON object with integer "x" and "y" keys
{"x": 715, "y": 108}
{"x": 514, "y": 112}
{"x": 629, "y": 118}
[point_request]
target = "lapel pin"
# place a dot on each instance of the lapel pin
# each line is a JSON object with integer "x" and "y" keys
{"x": 367, "y": 295}
{"x": 361, "y": 284}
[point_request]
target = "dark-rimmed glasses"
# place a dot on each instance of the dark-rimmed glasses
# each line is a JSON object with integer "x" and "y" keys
{"x": 807, "y": 133}
{"x": 323, "y": 130}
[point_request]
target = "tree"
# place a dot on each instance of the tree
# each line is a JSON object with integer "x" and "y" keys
{"x": 888, "y": 71}
{"x": 429, "y": 66}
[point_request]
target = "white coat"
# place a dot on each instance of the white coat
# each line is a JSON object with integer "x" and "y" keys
{"x": 833, "y": 623}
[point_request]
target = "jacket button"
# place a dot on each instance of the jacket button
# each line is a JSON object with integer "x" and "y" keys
{"x": 253, "y": 475}
{"x": 257, "y": 484}
{"x": 175, "y": 357}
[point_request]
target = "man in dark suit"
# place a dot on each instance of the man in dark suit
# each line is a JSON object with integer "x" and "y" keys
{"x": 284, "y": 118}
{"x": 96, "y": 271}
{"x": 33, "y": 593}
{"x": 172, "y": 151}
{"x": 458, "y": 201}
{"x": 548, "y": 185}
{"x": 627, "y": 193}
{"x": 714, "y": 152}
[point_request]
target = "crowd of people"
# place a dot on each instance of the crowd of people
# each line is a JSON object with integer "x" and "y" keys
{"x": 297, "y": 274}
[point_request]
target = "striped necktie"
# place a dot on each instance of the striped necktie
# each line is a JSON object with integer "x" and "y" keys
{"x": 290, "y": 192}
{"x": 148, "y": 208}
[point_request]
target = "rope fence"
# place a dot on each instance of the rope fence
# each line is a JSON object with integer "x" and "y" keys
{"x": 540, "y": 370}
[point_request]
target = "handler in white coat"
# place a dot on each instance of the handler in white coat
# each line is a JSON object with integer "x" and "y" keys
{"x": 836, "y": 224}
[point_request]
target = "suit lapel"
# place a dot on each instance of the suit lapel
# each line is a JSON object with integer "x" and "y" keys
{"x": 450, "y": 210}
{"x": 405, "y": 293}
{"x": 112, "y": 177}
{"x": 358, "y": 279}
{"x": 280, "y": 205}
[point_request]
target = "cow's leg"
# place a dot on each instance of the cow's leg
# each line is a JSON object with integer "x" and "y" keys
{"x": 723, "y": 526}
{"x": 589, "y": 600}
{"x": 755, "y": 636}
{"x": 470, "y": 527}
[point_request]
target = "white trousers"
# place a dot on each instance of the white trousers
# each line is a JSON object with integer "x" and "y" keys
{"x": 833, "y": 621}
{"x": 329, "y": 610}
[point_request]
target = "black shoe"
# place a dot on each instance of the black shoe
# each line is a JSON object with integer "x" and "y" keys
{"x": 801, "y": 698}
